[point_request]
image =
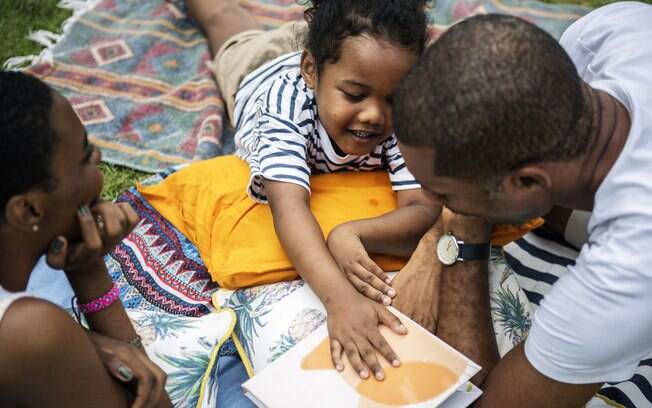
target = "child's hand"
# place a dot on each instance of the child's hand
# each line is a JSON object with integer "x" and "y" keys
{"x": 353, "y": 329}
{"x": 362, "y": 272}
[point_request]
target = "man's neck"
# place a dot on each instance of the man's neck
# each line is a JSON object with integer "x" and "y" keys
{"x": 609, "y": 133}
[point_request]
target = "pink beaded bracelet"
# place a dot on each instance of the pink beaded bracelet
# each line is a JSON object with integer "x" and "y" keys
{"x": 101, "y": 302}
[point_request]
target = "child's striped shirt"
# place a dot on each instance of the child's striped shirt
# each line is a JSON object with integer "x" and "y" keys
{"x": 279, "y": 134}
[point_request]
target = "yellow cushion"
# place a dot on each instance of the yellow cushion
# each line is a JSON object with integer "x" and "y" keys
{"x": 235, "y": 236}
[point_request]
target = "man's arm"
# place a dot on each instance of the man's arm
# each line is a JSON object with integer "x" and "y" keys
{"x": 464, "y": 309}
{"x": 514, "y": 382}
{"x": 417, "y": 285}
{"x": 465, "y": 323}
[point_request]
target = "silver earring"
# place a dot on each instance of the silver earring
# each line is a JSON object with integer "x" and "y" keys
{"x": 35, "y": 227}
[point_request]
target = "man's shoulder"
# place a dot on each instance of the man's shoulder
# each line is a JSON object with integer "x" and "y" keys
{"x": 608, "y": 24}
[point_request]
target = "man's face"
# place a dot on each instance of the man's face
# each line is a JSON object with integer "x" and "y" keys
{"x": 513, "y": 205}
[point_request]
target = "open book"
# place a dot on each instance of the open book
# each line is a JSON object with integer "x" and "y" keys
{"x": 431, "y": 374}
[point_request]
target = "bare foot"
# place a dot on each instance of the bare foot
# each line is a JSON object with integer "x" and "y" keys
{"x": 220, "y": 19}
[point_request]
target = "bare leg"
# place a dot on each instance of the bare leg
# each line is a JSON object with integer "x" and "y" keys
{"x": 220, "y": 20}
{"x": 48, "y": 360}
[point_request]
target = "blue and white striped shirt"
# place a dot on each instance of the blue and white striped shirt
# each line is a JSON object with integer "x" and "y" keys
{"x": 279, "y": 133}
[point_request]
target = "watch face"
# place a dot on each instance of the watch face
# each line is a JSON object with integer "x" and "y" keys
{"x": 447, "y": 249}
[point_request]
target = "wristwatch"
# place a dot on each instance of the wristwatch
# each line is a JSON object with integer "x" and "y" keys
{"x": 450, "y": 250}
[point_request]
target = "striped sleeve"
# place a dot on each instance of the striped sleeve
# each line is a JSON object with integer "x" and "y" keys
{"x": 399, "y": 174}
{"x": 279, "y": 143}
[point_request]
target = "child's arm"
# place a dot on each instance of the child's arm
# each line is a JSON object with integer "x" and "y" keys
{"x": 394, "y": 233}
{"x": 352, "y": 319}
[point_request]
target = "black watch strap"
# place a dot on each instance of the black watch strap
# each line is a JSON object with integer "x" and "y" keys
{"x": 474, "y": 252}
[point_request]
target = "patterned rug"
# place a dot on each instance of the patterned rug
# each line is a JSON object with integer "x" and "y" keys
{"x": 135, "y": 71}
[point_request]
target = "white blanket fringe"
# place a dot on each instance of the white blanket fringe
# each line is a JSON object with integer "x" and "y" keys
{"x": 49, "y": 39}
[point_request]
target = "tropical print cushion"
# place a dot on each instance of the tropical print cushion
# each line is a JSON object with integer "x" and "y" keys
{"x": 271, "y": 319}
{"x": 186, "y": 348}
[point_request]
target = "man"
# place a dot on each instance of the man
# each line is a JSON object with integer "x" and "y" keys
{"x": 501, "y": 124}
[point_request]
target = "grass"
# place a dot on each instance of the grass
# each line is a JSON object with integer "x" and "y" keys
{"x": 19, "y": 17}
{"x": 117, "y": 179}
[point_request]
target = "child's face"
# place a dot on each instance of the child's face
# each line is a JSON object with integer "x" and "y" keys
{"x": 354, "y": 95}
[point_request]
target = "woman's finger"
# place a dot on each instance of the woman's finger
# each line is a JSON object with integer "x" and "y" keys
{"x": 106, "y": 218}
{"x": 119, "y": 369}
{"x": 126, "y": 364}
{"x": 144, "y": 388}
{"x": 57, "y": 253}
{"x": 131, "y": 217}
{"x": 89, "y": 231}
{"x": 159, "y": 377}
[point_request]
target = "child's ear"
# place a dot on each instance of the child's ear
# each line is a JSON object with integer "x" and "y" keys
{"x": 308, "y": 69}
{"x": 24, "y": 211}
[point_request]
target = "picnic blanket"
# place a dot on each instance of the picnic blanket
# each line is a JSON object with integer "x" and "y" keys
{"x": 135, "y": 71}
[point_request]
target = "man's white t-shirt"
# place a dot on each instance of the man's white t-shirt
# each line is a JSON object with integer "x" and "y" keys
{"x": 596, "y": 323}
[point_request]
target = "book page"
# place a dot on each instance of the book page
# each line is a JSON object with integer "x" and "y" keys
{"x": 430, "y": 372}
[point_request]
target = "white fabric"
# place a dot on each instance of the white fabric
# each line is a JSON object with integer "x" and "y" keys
{"x": 595, "y": 324}
{"x": 50, "y": 284}
{"x": 281, "y": 137}
{"x": 7, "y": 298}
{"x": 577, "y": 228}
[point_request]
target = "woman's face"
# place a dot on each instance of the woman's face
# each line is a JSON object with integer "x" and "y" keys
{"x": 76, "y": 179}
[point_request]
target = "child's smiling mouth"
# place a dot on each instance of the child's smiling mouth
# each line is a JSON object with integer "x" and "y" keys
{"x": 362, "y": 135}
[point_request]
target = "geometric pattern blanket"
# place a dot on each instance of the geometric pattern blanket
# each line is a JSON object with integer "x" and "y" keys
{"x": 135, "y": 71}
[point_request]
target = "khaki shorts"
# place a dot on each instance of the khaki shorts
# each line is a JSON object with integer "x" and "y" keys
{"x": 248, "y": 50}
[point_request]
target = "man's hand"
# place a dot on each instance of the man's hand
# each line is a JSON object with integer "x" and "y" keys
{"x": 353, "y": 329}
{"x": 417, "y": 284}
{"x": 131, "y": 366}
{"x": 363, "y": 273}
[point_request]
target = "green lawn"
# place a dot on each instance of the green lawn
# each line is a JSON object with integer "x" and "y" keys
{"x": 19, "y": 17}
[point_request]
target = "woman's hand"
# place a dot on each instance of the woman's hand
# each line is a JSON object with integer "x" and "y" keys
{"x": 102, "y": 228}
{"x": 353, "y": 329}
{"x": 131, "y": 366}
{"x": 363, "y": 273}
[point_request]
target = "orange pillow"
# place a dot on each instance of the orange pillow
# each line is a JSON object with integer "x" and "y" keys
{"x": 235, "y": 236}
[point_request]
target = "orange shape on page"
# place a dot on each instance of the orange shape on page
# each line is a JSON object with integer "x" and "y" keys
{"x": 319, "y": 358}
{"x": 412, "y": 382}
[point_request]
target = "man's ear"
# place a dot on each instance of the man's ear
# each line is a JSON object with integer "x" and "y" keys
{"x": 24, "y": 211}
{"x": 527, "y": 179}
{"x": 308, "y": 69}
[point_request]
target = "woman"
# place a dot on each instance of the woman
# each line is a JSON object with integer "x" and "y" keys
{"x": 50, "y": 205}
